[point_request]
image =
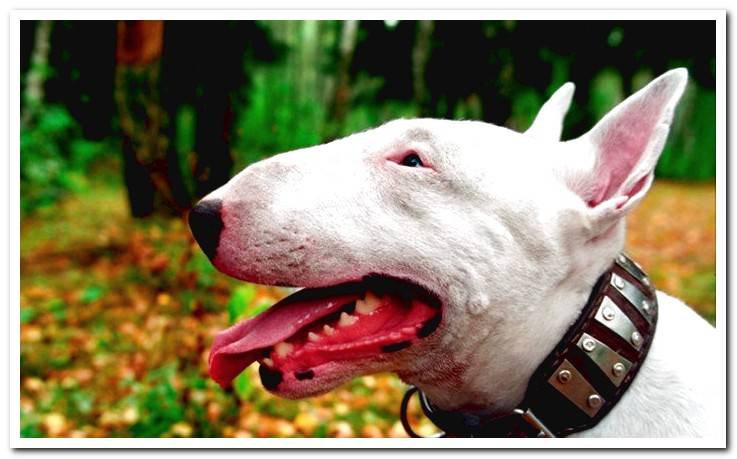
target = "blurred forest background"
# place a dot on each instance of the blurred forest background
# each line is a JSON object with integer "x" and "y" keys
{"x": 124, "y": 125}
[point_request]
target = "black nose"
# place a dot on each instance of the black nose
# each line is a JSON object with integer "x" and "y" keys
{"x": 206, "y": 225}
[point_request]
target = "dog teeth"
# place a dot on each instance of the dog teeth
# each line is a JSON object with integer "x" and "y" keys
{"x": 328, "y": 330}
{"x": 268, "y": 362}
{"x": 368, "y": 305}
{"x": 346, "y": 320}
{"x": 314, "y": 337}
{"x": 283, "y": 349}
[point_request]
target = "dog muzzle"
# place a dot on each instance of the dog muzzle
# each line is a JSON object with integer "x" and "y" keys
{"x": 586, "y": 374}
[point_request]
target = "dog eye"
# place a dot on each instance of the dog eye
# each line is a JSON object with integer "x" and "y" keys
{"x": 412, "y": 160}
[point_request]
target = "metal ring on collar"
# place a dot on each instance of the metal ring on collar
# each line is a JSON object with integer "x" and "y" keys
{"x": 404, "y": 408}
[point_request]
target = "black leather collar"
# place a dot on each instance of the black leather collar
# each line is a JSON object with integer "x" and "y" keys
{"x": 586, "y": 374}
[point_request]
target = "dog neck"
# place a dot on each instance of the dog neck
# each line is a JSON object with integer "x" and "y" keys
{"x": 491, "y": 371}
{"x": 583, "y": 377}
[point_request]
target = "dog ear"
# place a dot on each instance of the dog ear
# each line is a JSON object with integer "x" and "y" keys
{"x": 548, "y": 123}
{"x": 623, "y": 149}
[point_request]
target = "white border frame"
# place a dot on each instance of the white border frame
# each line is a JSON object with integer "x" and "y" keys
{"x": 719, "y": 16}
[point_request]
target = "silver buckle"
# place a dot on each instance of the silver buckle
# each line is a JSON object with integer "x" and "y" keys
{"x": 529, "y": 417}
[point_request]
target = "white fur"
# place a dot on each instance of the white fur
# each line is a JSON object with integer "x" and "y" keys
{"x": 498, "y": 227}
{"x": 548, "y": 123}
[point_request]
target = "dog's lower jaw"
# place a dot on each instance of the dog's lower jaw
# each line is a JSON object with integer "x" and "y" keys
{"x": 326, "y": 379}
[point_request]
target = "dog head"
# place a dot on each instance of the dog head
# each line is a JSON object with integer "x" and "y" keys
{"x": 454, "y": 253}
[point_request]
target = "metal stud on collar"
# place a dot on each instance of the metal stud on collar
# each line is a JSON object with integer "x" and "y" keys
{"x": 618, "y": 369}
{"x": 611, "y": 363}
{"x": 594, "y": 400}
{"x": 633, "y": 268}
{"x": 577, "y": 389}
{"x": 635, "y": 296}
{"x": 619, "y": 323}
{"x": 618, "y": 282}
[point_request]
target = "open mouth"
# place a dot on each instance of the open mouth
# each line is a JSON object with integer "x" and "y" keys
{"x": 314, "y": 330}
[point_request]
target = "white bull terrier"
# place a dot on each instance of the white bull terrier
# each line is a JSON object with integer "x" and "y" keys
{"x": 455, "y": 254}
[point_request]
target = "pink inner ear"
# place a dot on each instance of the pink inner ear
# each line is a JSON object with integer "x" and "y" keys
{"x": 621, "y": 143}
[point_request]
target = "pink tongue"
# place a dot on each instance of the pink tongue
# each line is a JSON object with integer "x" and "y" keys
{"x": 237, "y": 347}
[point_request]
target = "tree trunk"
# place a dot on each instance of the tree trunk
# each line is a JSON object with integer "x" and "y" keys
{"x": 206, "y": 61}
{"x": 420, "y": 56}
{"x": 212, "y": 137}
{"x": 33, "y": 95}
{"x": 341, "y": 96}
{"x": 151, "y": 166}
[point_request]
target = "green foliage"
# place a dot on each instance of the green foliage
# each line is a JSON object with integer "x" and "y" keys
{"x": 184, "y": 141}
{"x": 243, "y": 386}
{"x": 205, "y": 271}
{"x": 242, "y": 304}
{"x": 365, "y": 116}
{"x": 524, "y": 108}
{"x": 690, "y": 152}
{"x": 54, "y": 158}
{"x": 29, "y": 426}
{"x": 280, "y": 408}
{"x": 276, "y": 118}
{"x": 606, "y": 92}
{"x": 239, "y": 302}
{"x": 27, "y": 315}
{"x": 159, "y": 402}
{"x": 286, "y": 102}
{"x": 702, "y": 286}
{"x": 92, "y": 293}
{"x": 57, "y": 307}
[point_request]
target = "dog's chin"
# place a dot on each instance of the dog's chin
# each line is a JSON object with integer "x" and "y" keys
{"x": 319, "y": 338}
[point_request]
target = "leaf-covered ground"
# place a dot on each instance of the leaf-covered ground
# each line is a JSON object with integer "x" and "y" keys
{"x": 673, "y": 236}
{"x": 117, "y": 318}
